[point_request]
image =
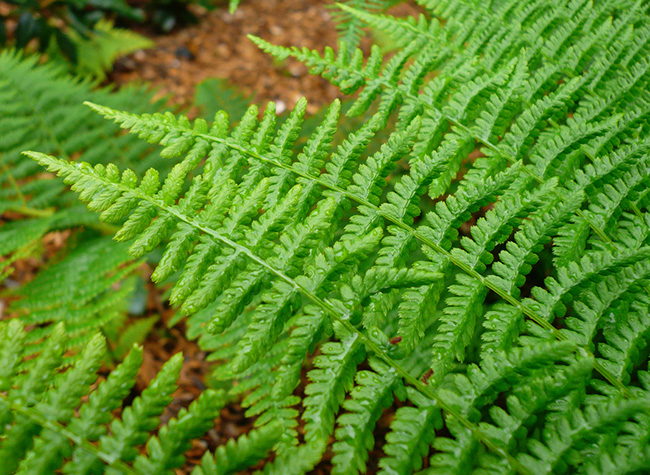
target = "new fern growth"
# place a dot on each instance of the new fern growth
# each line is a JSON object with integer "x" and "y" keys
{"x": 487, "y": 266}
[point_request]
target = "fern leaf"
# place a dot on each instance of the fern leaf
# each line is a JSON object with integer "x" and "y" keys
{"x": 372, "y": 393}
{"x": 529, "y": 157}
{"x": 50, "y": 425}
{"x": 239, "y": 454}
{"x": 166, "y": 450}
{"x": 580, "y": 428}
{"x": 331, "y": 378}
{"x": 92, "y": 417}
{"x": 410, "y": 437}
{"x": 96, "y": 55}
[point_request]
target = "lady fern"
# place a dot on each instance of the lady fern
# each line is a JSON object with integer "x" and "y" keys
{"x": 413, "y": 270}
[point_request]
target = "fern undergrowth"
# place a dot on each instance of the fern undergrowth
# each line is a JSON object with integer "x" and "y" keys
{"x": 483, "y": 274}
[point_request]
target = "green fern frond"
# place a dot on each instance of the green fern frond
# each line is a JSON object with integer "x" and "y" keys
{"x": 349, "y": 26}
{"x": 570, "y": 434}
{"x": 40, "y": 107}
{"x": 214, "y": 95}
{"x": 400, "y": 30}
{"x": 512, "y": 188}
{"x": 232, "y": 6}
{"x": 373, "y": 392}
{"x": 331, "y": 378}
{"x": 624, "y": 342}
{"x": 97, "y": 53}
{"x": 87, "y": 291}
{"x": 410, "y": 437}
{"x": 238, "y": 455}
{"x": 48, "y": 426}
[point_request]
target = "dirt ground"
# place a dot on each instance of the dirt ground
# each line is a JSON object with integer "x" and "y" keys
{"x": 218, "y": 47}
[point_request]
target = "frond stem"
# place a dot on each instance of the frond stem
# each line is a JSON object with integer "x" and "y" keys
{"x": 33, "y": 212}
{"x": 62, "y": 431}
{"x": 14, "y": 183}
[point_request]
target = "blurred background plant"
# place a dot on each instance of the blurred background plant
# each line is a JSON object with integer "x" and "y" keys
{"x": 87, "y": 36}
{"x": 34, "y": 24}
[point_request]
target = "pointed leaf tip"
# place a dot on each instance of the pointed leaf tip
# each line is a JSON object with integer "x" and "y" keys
{"x": 102, "y": 110}
{"x": 38, "y": 156}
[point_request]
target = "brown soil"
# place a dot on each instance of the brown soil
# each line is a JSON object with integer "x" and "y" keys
{"x": 218, "y": 47}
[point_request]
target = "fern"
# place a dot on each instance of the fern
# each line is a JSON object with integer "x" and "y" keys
{"x": 41, "y": 106}
{"x": 413, "y": 270}
{"x": 214, "y": 95}
{"x": 52, "y": 420}
{"x": 87, "y": 290}
{"x": 95, "y": 56}
{"x": 232, "y": 5}
{"x": 350, "y": 27}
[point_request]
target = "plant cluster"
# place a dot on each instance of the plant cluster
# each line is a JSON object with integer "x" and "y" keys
{"x": 473, "y": 257}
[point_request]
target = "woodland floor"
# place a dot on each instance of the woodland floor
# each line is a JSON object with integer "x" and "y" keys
{"x": 217, "y": 47}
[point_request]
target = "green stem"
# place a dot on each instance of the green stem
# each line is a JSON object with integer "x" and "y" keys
{"x": 32, "y": 212}
{"x": 103, "y": 228}
{"x": 64, "y": 432}
{"x": 14, "y": 183}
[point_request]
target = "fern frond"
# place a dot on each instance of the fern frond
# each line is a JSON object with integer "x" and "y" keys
{"x": 97, "y": 53}
{"x": 310, "y": 328}
{"x": 48, "y": 426}
{"x": 569, "y": 435}
{"x": 480, "y": 386}
{"x": 400, "y": 30}
{"x": 373, "y": 392}
{"x": 349, "y": 26}
{"x": 240, "y": 454}
{"x": 624, "y": 341}
{"x": 331, "y": 378}
{"x": 41, "y": 107}
{"x": 87, "y": 291}
{"x": 512, "y": 188}
{"x": 410, "y": 437}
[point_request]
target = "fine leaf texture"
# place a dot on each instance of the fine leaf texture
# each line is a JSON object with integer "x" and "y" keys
{"x": 476, "y": 249}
